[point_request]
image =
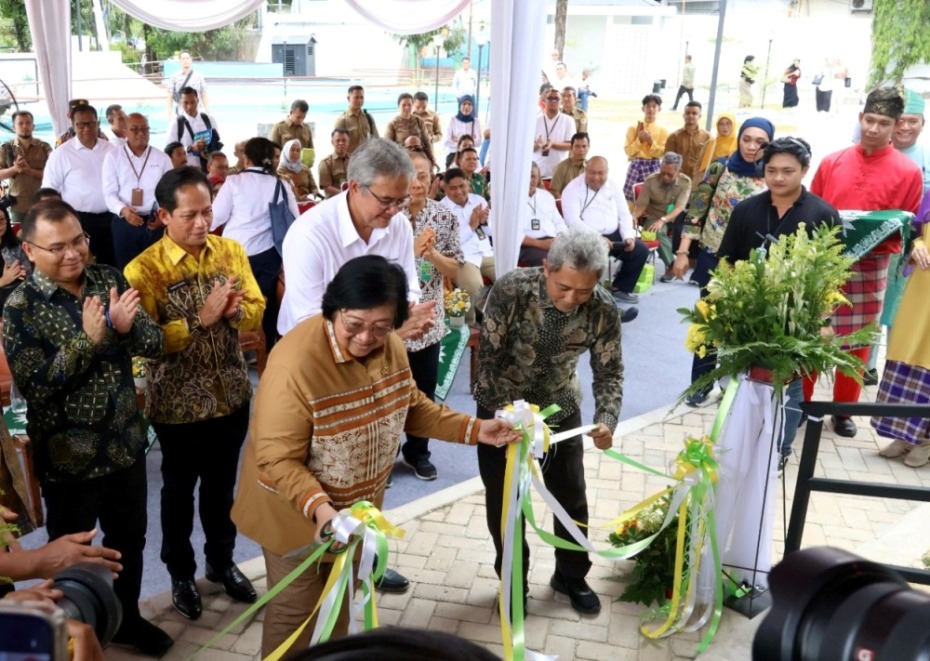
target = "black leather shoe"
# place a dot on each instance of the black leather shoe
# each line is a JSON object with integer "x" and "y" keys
{"x": 234, "y": 582}
{"x": 144, "y": 636}
{"x": 844, "y": 426}
{"x": 393, "y": 582}
{"x": 628, "y": 315}
{"x": 579, "y": 592}
{"x": 186, "y": 598}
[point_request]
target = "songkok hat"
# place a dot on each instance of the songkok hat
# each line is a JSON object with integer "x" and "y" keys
{"x": 888, "y": 101}
{"x": 913, "y": 103}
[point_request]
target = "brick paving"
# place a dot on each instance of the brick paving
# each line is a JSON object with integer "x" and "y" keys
{"x": 448, "y": 557}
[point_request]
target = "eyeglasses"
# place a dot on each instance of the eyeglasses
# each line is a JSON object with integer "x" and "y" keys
{"x": 357, "y": 327}
{"x": 59, "y": 250}
{"x": 553, "y": 98}
{"x": 85, "y": 125}
{"x": 139, "y": 129}
{"x": 386, "y": 202}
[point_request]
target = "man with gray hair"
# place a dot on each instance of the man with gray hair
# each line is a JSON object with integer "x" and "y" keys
{"x": 537, "y": 323}
{"x": 366, "y": 219}
{"x": 660, "y": 205}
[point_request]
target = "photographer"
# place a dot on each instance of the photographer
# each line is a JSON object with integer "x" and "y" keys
{"x": 83, "y": 643}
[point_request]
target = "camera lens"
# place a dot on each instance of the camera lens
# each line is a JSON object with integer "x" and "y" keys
{"x": 830, "y": 605}
{"x": 89, "y": 598}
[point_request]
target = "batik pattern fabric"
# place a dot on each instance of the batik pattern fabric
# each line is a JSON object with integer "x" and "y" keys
{"x": 202, "y": 373}
{"x": 713, "y": 201}
{"x": 83, "y": 417}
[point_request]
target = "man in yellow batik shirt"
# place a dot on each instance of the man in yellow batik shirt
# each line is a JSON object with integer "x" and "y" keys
{"x": 645, "y": 145}
{"x": 199, "y": 288}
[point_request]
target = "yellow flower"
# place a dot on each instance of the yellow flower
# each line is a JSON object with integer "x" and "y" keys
{"x": 695, "y": 338}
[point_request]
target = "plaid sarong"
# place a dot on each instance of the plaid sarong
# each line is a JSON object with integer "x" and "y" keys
{"x": 865, "y": 291}
{"x": 640, "y": 168}
{"x": 904, "y": 384}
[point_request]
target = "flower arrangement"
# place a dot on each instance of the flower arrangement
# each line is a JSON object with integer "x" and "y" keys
{"x": 770, "y": 310}
{"x": 654, "y": 569}
{"x": 457, "y": 302}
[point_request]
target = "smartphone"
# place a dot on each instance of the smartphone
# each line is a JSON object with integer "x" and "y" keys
{"x": 28, "y": 633}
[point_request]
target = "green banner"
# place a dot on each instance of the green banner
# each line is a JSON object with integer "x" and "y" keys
{"x": 863, "y": 230}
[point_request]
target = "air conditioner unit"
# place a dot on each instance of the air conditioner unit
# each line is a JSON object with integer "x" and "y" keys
{"x": 860, "y": 5}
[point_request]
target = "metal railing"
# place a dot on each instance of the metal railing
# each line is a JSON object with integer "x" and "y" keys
{"x": 807, "y": 483}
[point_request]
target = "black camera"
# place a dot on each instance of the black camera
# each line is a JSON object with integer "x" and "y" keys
{"x": 89, "y": 598}
{"x": 7, "y": 201}
{"x": 830, "y": 605}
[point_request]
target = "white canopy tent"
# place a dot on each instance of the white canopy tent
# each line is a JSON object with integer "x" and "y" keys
{"x": 516, "y": 31}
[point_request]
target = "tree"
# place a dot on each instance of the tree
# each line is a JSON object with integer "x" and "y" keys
{"x": 899, "y": 38}
{"x": 453, "y": 40}
{"x": 15, "y": 12}
{"x": 561, "y": 16}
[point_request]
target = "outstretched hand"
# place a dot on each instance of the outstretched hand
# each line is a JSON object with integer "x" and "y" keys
{"x": 123, "y": 309}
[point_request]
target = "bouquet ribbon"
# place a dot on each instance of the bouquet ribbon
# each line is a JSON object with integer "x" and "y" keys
{"x": 363, "y": 530}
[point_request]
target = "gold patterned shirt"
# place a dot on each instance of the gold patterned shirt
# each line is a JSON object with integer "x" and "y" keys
{"x": 202, "y": 373}
{"x": 529, "y": 349}
{"x": 83, "y": 417}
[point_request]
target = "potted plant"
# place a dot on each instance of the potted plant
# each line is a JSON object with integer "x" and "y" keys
{"x": 457, "y": 305}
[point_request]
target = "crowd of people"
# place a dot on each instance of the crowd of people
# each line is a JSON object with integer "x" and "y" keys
{"x": 115, "y": 249}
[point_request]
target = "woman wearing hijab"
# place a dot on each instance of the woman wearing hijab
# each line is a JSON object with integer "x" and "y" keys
{"x": 464, "y": 123}
{"x": 728, "y": 182}
{"x": 294, "y": 172}
{"x": 790, "y": 79}
{"x": 747, "y": 78}
{"x": 722, "y": 145}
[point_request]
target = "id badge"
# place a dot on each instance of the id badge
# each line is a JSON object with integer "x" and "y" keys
{"x": 136, "y": 198}
{"x": 480, "y": 233}
{"x": 426, "y": 273}
{"x": 534, "y": 224}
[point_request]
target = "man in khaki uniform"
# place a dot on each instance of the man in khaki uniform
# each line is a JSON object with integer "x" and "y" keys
{"x": 356, "y": 120}
{"x": 333, "y": 168}
{"x": 293, "y": 127}
{"x": 576, "y": 113}
{"x": 22, "y": 161}
{"x": 689, "y": 141}
{"x": 572, "y": 166}
{"x": 430, "y": 119}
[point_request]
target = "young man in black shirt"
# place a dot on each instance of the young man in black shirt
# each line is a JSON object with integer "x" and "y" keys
{"x": 761, "y": 219}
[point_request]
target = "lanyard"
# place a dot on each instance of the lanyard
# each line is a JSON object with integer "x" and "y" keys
{"x": 532, "y": 206}
{"x": 139, "y": 174}
{"x": 586, "y": 203}
{"x": 546, "y": 124}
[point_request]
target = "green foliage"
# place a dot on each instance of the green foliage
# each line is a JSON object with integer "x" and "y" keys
{"x": 453, "y": 39}
{"x": 15, "y": 24}
{"x": 899, "y": 38}
{"x": 769, "y": 311}
{"x": 654, "y": 569}
{"x": 129, "y": 55}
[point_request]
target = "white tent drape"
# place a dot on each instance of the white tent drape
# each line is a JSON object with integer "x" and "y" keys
{"x": 50, "y": 27}
{"x": 189, "y": 15}
{"x": 517, "y": 36}
{"x": 409, "y": 16}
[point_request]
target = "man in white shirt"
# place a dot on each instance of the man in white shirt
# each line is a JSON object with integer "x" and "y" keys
{"x": 540, "y": 222}
{"x": 465, "y": 80}
{"x": 554, "y": 131}
{"x": 595, "y": 202}
{"x": 472, "y": 212}
{"x": 363, "y": 220}
{"x": 75, "y": 170}
{"x": 186, "y": 77}
{"x": 130, "y": 174}
{"x": 116, "y": 118}
{"x": 189, "y": 123}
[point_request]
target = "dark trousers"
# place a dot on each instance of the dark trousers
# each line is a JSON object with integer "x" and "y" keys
{"x": 118, "y": 502}
{"x": 682, "y": 90}
{"x": 631, "y": 263}
{"x": 532, "y": 256}
{"x": 207, "y": 450}
{"x": 706, "y": 263}
{"x": 824, "y": 100}
{"x": 99, "y": 227}
{"x": 424, "y": 365}
{"x": 266, "y": 267}
{"x": 129, "y": 241}
{"x": 563, "y": 474}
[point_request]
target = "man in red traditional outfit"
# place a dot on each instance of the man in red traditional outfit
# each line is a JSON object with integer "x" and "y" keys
{"x": 870, "y": 176}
